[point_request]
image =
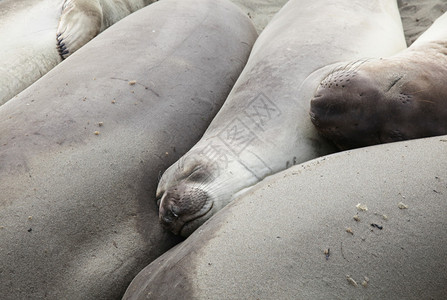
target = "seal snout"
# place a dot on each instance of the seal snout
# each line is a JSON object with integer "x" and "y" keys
{"x": 181, "y": 208}
{"x": 167, "y": 216}
{"x": 328, "y": 105}
{"x": 344, "y": 108}
{"x": 332, "y": 96}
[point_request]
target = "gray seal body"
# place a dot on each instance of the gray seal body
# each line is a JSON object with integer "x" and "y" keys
{"x": 82, "y": 149}
{"x": 300, "y": 234}
{"x": 264, "y": 126}
{"x": 36, "y": 35}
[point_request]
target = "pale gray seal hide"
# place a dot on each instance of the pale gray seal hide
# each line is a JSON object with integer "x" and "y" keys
{"x": 301, "y": 234}
{"x": 264, "y": 125}
{"x": 81, "y": 150}
{"x": 36, "y": 34}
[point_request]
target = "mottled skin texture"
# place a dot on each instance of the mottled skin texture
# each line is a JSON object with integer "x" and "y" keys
{"x": 264, "y": 125}
{"x": 386, "y": 100}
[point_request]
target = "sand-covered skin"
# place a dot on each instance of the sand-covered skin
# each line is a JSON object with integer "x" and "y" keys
{"x": 301, "y": 234}
{"x": 81, "y": 149}
{"x": 238, "y": 240}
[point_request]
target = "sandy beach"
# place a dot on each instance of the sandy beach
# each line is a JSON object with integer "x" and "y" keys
{"x": 417, "y": 15}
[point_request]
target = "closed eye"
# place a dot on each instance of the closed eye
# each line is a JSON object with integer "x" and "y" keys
{"x": 198, "y": 174}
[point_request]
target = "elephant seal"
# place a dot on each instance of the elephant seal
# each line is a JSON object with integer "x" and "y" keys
{"x": 389, "y": 99}
{"x": 299, "y": 234}
{"x": 36, "y": 35}
{"x": 79, "y": 160}
{"x": 264, "y": 125}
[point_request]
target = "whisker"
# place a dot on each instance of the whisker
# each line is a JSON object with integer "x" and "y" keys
{"x": 351, "y": 66}
{"x": 416, "y": 92}
{"x": 426, "y": 101}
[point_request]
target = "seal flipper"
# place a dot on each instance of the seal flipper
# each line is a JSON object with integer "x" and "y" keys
{"x": 80, "y": 21}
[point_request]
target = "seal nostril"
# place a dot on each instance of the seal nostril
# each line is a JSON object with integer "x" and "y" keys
{"x": 169, "y": 217}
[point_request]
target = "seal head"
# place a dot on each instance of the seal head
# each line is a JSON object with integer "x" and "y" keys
{"x": 184, "y": 199}
{"x": 382, "y": 100}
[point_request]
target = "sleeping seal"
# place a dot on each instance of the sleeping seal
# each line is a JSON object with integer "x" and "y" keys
{"x": 299, "y": 234}
{"x": 79, "y": 160}
{"x": 389, "y": 99}
{"x": 264, "y": 125}
{"x": 36, "y": 35}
